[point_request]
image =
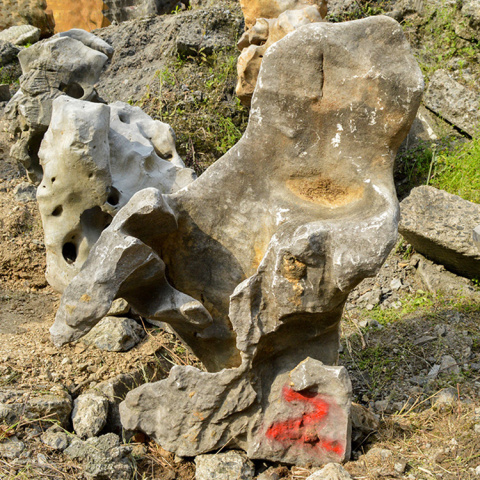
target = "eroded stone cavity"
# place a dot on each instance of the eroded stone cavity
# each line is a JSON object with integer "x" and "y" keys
{"x": 263, "y": 249}
{"x": 255, "y": 41}
{"x": 67, "y": 64}
{"x": 94, "y": 158}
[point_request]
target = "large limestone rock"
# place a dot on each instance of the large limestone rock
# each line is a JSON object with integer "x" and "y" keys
{"x": 67, "y": 64}
{"x": 255, "y": 41}
{"x": 255, "y": 9}
{"x": 94, "y": 158}
{"x": 439, "y": 225}
{"x": 263, "y": 249}
{"x": 84, "y": 14}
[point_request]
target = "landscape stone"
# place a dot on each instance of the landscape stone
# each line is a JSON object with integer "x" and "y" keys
{"x": 8, "y": 52}
{"x": 453, "y": 102}
{"x": 66, "y": 64}
{"x": 89, "y": 415}
{"x": 124, "y": 150}
{"x": 332, "y": 471}
{"x": 115, "y": 334}
{"x": 439, "y": 225}
{"x": 312, "y": 179}
{"x": 224, "y": 466}
{"x": 103, "y": 457}
{"x": 20, "y": 35}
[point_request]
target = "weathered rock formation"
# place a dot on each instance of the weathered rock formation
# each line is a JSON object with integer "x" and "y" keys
{"x": 67, "y": 64}
{"x": 84, "y": 14}
{"x": 94, "y": 158}
{"x": 26, "y": 12}
{"x": 439, "y": 225}
{"x": 255, "y": 41}
{"x": 20, "y": 35}
{"x": 255, "y": 9}
{"x": 122, "y": 10}
{"x": 252, "y": 263}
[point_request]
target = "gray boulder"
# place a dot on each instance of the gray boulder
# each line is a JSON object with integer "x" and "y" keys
{"x": 224, "y": 466}
{"x": 262, "y": 251}
{"x": 454, "y": 102}
{"x": 89, "y": 415}
{"x": 439, "y": 225}
{"x": 115, "y": 334}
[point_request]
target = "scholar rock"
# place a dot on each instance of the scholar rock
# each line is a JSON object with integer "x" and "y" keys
{"x": 262, "y": 251}
{"x": 94, "y": 157}
{"x": 66, "y": 64}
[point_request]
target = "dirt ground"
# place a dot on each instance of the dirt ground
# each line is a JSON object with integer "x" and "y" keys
{"x": 388, "y": 361}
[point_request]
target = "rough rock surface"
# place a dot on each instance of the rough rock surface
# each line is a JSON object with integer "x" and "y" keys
{"x": 255, "y": 41}
{"x": 89, "y": 415}
{"x": 255, "y": 9}
{"x": 332, "y": 471}
{"x": 20, "y": 35}
{"x": 476, "y": 236}
{"x": 123, "y": 10}
{"x": 317, "y": 156}
{"x": 439, "y": 226}
{"x": 103, "y": 457}
{"x": 94, "y": 157}
{"x": 79, "y": 58}
{"x": 454, "y": 102}
{"x": 115, "y": 334}
{"x": 24, "y": 12}
{"x": 224, "y": 466}
{"x": 84, "y": 14}
{"x": 8, "y": 52}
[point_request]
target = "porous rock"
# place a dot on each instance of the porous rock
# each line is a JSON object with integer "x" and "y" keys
{"x": 89, "y": 414}
{"x": 103, "y": 457}
{"x": 255, "y": 41}
{"x": 66, "y": 64}
{"x": 255, "y": 9}
{"x": 439, "y": 226}
{"x": 21, "y": 34}
{"x": 122, "y": 151}
{"x": 312, "y": 180}
{"x": 115, "y": 334}
{"x": 224, "y": 466}
{"x": 453, "y": 102}
{"x": 332, "y": 471}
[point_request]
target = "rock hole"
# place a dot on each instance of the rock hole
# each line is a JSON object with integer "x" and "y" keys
{"x": 69, "y": 252}
{"x": 53, "y": 179}
{"x": 90, "y": 175}
{"x": 113, "y": 197}
{"x": 123, "y": 118}
{"x": 73, "y": 90}
{"x": 58, "y": 211}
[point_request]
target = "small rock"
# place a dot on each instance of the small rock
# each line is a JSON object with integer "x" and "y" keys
{"x": 447, "y": 397}
{"x": 364, "y": 422}
{"x": 119, "y": 308}
{"x": 56, "y": 438}
{"x": 400, "y": 466}
{"x": 331, "y": 471}
{"x": 8, "y": 52}
{"x": 115, "y": 334}
{"x": 11, "y": 448}
{"x": 379, "y": 454}
{"x": 396, "y": 284}
{"x": 89, "y": 414}
{"x": 477, "y": 470}
{"x": 25, "y": 192}
{"x": 449, "y": 365}
{"x": 476, "y": 428}
{"x": 224, "y": 466}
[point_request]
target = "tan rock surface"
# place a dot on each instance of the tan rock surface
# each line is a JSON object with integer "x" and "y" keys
{"x": 85, "y": 14}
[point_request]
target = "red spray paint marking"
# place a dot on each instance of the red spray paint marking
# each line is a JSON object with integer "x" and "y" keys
{"x": 303, "y": 430}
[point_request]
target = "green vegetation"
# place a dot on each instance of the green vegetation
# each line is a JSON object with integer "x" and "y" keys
{"x": 196, "y": 96}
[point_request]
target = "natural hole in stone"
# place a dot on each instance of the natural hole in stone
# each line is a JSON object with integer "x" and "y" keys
{"x": 113, "y": 197}
{"x": 90, "y": 175}
{"x": 73, "y": 90}
{"x": 69, "y": 252}
{"x": 123, "y": 118}
{"x": 58, "y": 211}
{"x": 53, "y": 179}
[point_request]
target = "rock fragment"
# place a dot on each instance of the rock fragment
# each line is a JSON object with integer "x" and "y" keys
{"x": 224, "y": 466}
{"x": 89, "y": 415}
{"x": 439, "y": 225}
{"x": 20, "y": 35}
{"x": 332, "y": 471}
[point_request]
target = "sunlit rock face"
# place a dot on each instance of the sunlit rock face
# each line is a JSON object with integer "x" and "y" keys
{"x": 252, "y": 263}
{"x": 94, "y": 158}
